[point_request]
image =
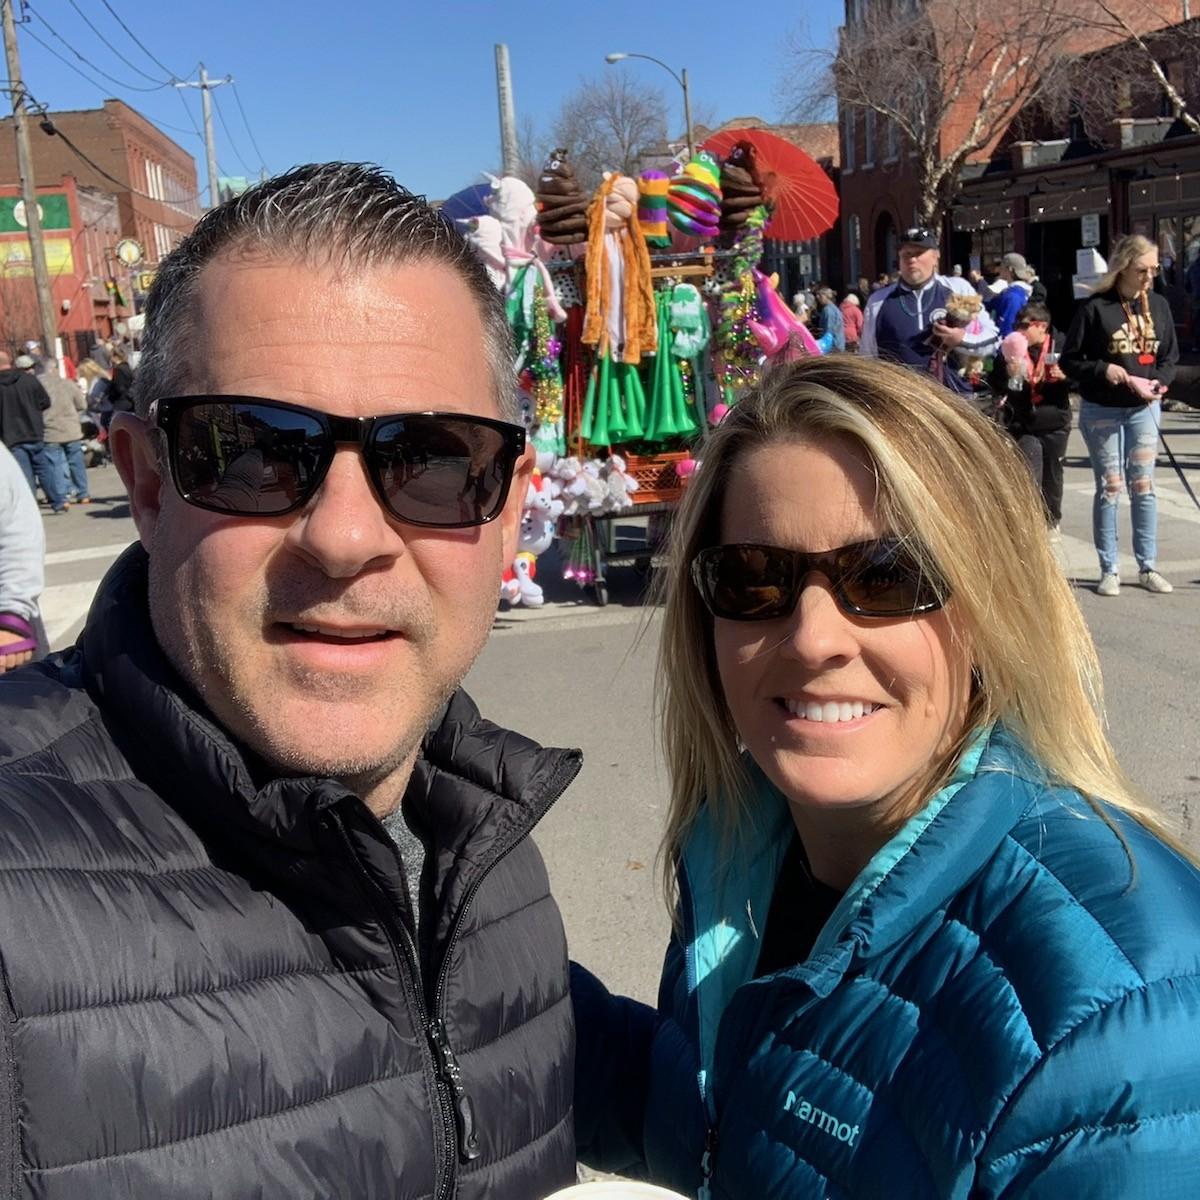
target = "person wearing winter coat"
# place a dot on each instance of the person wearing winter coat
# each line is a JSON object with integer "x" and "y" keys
{"x": 1122, "y": 352}
{"x": 929, "y": 940}
{"x": 23, "y": 404}
{"x": 1018, "y": 275}
{"x": 852, "y": 318}
{"x": 277, "y": 927}
{"x": 64, "y": 435}
{"x": 22, "y": 568}
{"x": 906, "y": 321}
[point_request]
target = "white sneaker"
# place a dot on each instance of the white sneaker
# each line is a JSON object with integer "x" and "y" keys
{"x": 1152, "y": 581}
{"x": 1109, "y": 585}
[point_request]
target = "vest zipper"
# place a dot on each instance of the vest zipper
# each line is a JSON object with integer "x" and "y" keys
{"x": 456, "y": 1108}
{"x": 706, "y": 1163}
{"x": 408, "y": 969}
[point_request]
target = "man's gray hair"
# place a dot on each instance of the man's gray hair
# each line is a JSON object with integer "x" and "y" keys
{"x": 351, "y": 214}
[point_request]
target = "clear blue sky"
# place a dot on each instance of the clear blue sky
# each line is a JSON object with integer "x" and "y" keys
{"x": 408, "y": 85}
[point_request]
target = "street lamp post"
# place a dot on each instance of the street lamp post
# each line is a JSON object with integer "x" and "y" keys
{"x": 682, "y": 80}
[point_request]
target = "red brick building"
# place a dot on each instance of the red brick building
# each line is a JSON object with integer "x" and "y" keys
{"x": 138, "y": 184}
{"x": 153, "y": 178}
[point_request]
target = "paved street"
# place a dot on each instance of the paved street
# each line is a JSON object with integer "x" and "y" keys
{"x": 572, "y": 674}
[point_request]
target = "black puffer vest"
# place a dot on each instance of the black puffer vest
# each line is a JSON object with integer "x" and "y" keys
{"x": 211, "y": 989}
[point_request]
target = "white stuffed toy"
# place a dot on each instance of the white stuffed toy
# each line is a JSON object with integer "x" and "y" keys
{"x": 539, "y": 520}
{"x": 621, "y": 485}
{"x": 485, "y": 235}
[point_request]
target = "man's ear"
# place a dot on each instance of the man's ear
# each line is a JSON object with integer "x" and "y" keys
{"x": 510, "y": 519}
{"x": 134, "y": 444}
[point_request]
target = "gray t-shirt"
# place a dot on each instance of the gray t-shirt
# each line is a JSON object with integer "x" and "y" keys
{"x": 412, "y": 854}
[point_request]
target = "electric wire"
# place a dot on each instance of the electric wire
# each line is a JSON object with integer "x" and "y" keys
{"x": 47, "y": 126}
{"x": 137, "y": 42}
{"x": 130, "y": 87}
{"x": 101, "y": 87}
{"x": 87, "y": 21}
{"x": 262, "y": 162}
{"x": 232, "y": 144}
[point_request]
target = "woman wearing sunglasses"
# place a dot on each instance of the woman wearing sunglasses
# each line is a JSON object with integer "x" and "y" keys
{"x": 929, "y": 942}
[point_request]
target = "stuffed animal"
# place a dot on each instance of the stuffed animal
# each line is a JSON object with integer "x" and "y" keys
{"x": 561, "y": 204}
{"x": 538, "y": 521}
{"x": 962, "y": 312}
{"x": 621, "y": 485}
{"x": 486, "y": 237}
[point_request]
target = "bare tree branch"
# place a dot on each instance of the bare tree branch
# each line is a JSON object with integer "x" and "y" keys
{"x": 607, "y": 123}
{"x": 950, "y": 75}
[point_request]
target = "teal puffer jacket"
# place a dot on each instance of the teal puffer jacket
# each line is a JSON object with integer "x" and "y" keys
{"x": 999, "y": 1007}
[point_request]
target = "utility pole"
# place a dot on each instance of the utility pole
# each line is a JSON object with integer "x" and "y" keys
{"x": 210, "y": 150}
{"x": 33, "y": 222}
{"x": 508, "y": 120}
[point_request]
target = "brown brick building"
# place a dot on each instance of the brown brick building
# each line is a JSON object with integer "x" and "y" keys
{"x": 153, "y": 178}
{"x": 1044, "y": 185}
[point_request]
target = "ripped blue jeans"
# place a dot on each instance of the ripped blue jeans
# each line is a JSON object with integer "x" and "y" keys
{"x": 1123, "y": 445}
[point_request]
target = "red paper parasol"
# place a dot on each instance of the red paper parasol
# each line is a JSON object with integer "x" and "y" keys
{"x": 806, "y": 204}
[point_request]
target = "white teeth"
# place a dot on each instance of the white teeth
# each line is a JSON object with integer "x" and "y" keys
{"x": 831, "y": 712}
{"x": 338, "y": 633}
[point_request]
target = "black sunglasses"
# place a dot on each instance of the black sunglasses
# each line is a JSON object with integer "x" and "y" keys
{"x": 253, "y": 457}
{"x": 749, "y": 582}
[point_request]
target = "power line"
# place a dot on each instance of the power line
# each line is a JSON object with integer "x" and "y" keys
{"x": 232, "y": 144}
{"x": 132, "y": 87}
{"x": 134, "y": 38}
{"x": 262, "y": 162}
{"x": 48, "y": 127}
{"x": 102, "y": 88}
{"x": 88, "y": 23}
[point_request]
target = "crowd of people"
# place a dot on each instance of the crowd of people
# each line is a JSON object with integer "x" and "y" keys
{"x": 44, "y": 405}
{"x": 282, "y": 929}
{"x": 1119, "y": 355}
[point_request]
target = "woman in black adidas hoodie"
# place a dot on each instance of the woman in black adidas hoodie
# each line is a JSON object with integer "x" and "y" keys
{"x": 1122, "y": 351}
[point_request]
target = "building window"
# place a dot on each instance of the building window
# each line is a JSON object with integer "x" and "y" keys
{"x": 849, "y": 133}
{"x": 892, "y": 136}
{"x": 855, "y": 11}
{"x": 855, "y": 254}
{"x": 869, "y": 138}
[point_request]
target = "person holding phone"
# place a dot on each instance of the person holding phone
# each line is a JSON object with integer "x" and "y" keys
{"x": 1122, "y": 352}
{"x": 928, "y": 938}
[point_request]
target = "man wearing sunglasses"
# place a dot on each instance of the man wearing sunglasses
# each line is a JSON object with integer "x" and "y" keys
{"x": 282, "y": 931}
{"x": 906, "y": 321}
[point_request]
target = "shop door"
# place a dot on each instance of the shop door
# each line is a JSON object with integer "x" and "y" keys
{"x": 1051, "y": 250}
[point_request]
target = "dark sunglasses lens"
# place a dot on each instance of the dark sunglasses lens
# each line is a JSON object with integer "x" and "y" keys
{"x": 746, "y": 583}
{"x": 246, "y": 458}
{"x": 883, "y": 580}
{"x": 441, "y": 471}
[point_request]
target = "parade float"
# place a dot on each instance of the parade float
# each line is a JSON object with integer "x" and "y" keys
{"x": 639, "y": 318}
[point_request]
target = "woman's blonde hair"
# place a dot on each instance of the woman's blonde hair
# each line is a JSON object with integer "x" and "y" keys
{"x": 1124, "y": 253}
{"x": 955, "y": 488}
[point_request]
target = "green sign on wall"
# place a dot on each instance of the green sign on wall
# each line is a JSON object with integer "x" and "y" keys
{"x": 53, "y": 209}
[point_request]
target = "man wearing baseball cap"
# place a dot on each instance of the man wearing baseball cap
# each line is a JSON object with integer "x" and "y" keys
{"x": 905, "y": 322}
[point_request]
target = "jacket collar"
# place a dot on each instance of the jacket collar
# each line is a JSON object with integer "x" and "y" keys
{"x": 726, "y": 895}
{"x": 479, "y": 787}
